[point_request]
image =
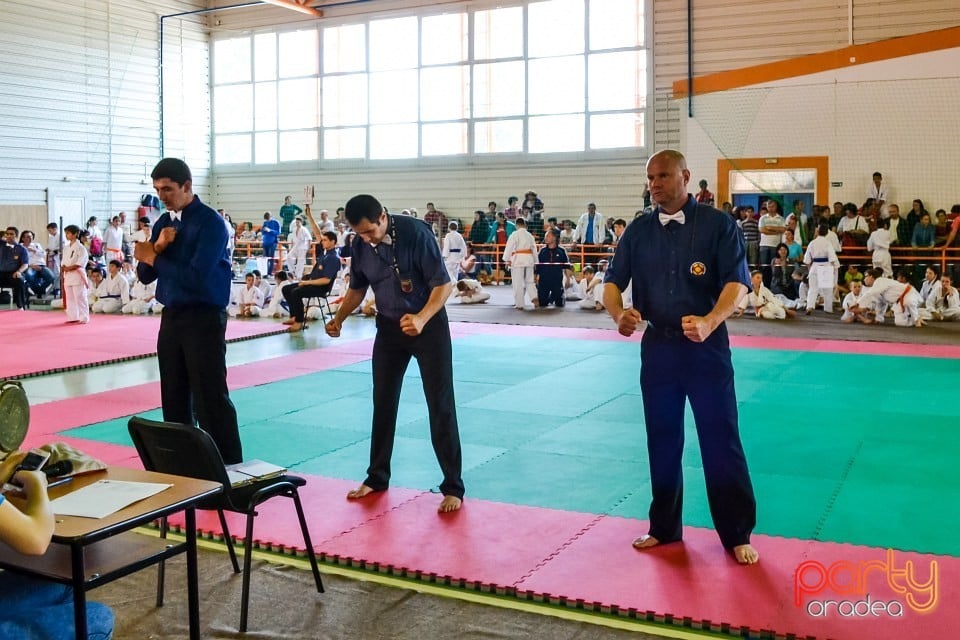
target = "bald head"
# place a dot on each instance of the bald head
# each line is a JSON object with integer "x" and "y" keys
{"x": 667, "y": 178}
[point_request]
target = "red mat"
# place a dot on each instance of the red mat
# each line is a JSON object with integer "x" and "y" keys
{"x": 586, "y": 561}
{"x": 54, "y": 346}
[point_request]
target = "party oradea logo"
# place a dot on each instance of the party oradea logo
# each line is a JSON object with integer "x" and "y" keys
{"x": 882, "y": 588}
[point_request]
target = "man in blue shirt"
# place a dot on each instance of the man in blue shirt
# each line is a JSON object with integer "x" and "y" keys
{"x": 689, "y": 271}
{"x": 187, "y": 256}
{"x": 14, "y": 262}
{"x": 269, "y": 235}
{"x": 398, "y": 256}
{"x": 318, "y": 284}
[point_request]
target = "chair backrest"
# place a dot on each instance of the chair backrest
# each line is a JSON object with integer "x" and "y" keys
{"x": 178, "y": 449}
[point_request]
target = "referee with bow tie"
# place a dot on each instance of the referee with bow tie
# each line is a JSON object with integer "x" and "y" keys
{"x": 187, "y": 255}
{"x": 688, "y": 268}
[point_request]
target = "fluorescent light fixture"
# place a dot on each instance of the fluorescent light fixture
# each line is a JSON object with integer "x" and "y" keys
{"x": 302, "y": 7}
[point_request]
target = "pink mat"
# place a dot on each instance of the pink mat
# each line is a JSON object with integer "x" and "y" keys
{"x": 53, "y": 346}
{"x": 586, "y": 561}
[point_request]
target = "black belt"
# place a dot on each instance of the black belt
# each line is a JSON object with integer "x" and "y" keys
{"x": 115, "y": 296}
{"x": 668, "y": 333}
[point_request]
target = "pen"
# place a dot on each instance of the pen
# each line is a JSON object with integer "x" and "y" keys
{"x": 59, "y": 481}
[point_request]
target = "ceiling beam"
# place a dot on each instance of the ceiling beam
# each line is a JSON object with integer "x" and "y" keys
{"x": 297, "y": 5}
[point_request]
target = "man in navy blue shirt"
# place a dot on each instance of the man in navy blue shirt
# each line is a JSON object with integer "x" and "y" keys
{"x": 689, "y": 270}
{"x": 187, "y": 255}
{"x": 398, "y": 256}
{"x": 14, "y": 262}
{"x": 317, "y": 284}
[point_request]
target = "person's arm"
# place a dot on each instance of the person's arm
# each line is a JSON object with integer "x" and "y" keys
{"x": 625, "y": 319}
{"x": 412, "y": 323}
{"x": 351, "y": 300}
{"x": 699, "y": 328}
{"x": 27, "y": 531}
{"x": 313, "y": 224}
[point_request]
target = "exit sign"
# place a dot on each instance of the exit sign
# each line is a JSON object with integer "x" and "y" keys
{"x": 836, "y": 184}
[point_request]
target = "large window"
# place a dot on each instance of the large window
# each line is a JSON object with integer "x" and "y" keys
{"x": 544, "y": 76}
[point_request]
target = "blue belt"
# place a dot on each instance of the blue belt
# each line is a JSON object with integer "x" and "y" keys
{"x": 821, "y": 259}
{"x": 454, "y": 250}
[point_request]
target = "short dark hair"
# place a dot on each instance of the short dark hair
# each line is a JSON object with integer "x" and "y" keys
{"x": 520, "y": 222}
{"x": 16, "y": 231}
{"x": 850, "y": 207}
{"x": 874, "y": 273}
{"x": 72, "y": 228}
{"x": 877, "y": 174}
{"x": 144, "y": 220}
{"x": 174, "y": 169}
{"x": 512, "y": 199}
{"x": 329, "y": 235}
{"x": 363, "y": 207}
{"x": 256, "y": 273}
{"x": 117, "y": 264}
{"x": 52, "y": 225}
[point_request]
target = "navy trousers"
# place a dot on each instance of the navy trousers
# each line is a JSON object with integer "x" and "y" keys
{"x": 674, "y": 369}
{"x": 191, "y": 352}
{"x": 392, "y": 350}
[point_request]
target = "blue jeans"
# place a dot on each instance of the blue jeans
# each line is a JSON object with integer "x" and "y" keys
{"x": 38, "y": 280}
{"x": 33, "y": 609}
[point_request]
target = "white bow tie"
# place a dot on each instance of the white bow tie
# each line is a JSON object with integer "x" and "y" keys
{"x": 174, "y": 215}
{"x": 677, "y": 217}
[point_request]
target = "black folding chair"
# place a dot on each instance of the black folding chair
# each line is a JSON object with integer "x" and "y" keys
{"x": 184, "y": 450}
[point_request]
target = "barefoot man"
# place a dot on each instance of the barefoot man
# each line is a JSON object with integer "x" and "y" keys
{"x": 398, "y": 256}
{"x": 688, "y": 265}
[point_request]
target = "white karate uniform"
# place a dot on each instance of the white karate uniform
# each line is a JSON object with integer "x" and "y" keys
{"x": 879, "y": 243}
{"x": 300, "y": 240}
{"x": 75, "y": 282}
{"x": 947, "y": 306}
{"x": 113, "y": 243}
{"x": 850, "y": 300}
{"x": 521, "y": 252}
{"x": 903, "y": 298}
{"x": 764, "y": 303}
{"x": 474, "y": 293}
{"x": 248, "y": 296}
{"x": 822, "y": 261}
{"x": 112, "y": 294}
{"x": 274, "y": 308}
{"x": 454, "y": 249}
{"x": 142, "y": 298}
{"x": 591, "y": 291}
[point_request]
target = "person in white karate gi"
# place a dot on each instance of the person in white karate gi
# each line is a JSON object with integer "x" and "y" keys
{"x": 275, "y": 308}
{"x": 470, "y": 291}
{"x": 300, "y": 241}
{"x": 521, "y": 253}
{"x": 73, "y": 266}
{"x": 946, "y": 305}
{"x": 591, "y": 289}
{"x": 454, "y": 250}
{"x": 113, "y": 292}
{"x": 879, "y": 243}
{"x": 142, "y": 299}
{"x": 929, "y": 289}
{"x": 852, "y": 300}
{"x": 249, "y": 300}
{"x": 900, "y": 296}
{"x": 762, "y": 301}
{"x": 822, "y": 263}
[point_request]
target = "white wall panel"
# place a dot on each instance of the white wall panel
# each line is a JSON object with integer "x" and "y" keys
{"x": 79, "y": 96}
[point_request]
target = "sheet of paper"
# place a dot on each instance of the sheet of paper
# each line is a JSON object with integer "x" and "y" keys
{"x": 256, "y": 468}
{"x": 104, "y": 497}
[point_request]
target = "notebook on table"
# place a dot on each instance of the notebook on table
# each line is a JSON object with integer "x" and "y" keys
{"x": 252, "y": 471}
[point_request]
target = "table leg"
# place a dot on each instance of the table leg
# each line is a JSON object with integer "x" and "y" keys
{"x": 193, "y": 590}
{"x": 79, "y": 593}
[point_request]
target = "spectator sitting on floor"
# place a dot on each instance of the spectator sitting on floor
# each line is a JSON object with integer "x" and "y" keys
{"x": 946, "y": 305}
{"x": 249, "y": 300}
{"x": 113, "y": 291}
{"x": 128, "y": 272}
{"x": 95, "y": 277}
{"x": 591, "y": 288}
{"x": 762, "y": 301}
{"x": 277, "y": 307}
{"x": 263, "y": 285}
{"x": 470, "y": 291}
{"x": 143, "y": 299}
{"x": 852, "y": 300}
{"x": 931, "y": 285}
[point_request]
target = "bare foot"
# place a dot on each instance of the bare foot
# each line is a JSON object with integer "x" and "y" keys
{"x": 360, "y": 492}
{"x": 645, "y": 542}
{"x": 290, "y": 321}
{"x": 746, "y": 554}
{"x": 296, "y": 326}
{"x": 450, "y": 503}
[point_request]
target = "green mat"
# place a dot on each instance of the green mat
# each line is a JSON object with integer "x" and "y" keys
{"x": 842, "y": 447}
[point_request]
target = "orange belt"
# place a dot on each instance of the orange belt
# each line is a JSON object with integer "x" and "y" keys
{"x": 530, "y": 251}
{"x": 903, "y": 295}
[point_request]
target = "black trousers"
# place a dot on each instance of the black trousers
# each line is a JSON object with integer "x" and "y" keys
{"x": 296, "y": 294}
{"x": 672, "y": 370}
{"x": 550, "y": 289}
{"x": 19, "y": 286}
{"x": 191, "y": 350}
{"x": 392, "y": 350}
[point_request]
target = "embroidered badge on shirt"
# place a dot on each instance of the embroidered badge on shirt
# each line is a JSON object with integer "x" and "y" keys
{"x": 698, "y": 268}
